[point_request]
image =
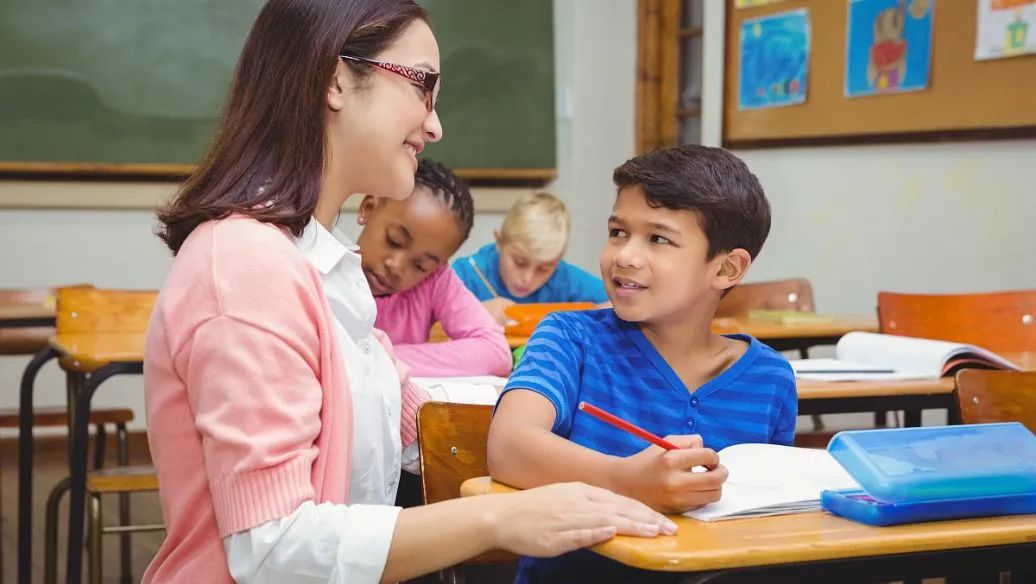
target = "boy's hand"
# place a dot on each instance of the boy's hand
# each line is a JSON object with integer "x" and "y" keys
{"x": 663, "y": 478}
{"x": 496, "y": 307}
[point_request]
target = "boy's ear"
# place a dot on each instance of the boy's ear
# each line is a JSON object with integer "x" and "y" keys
{"x": 366, "y": 209}
{"x": 732, "y": 269}
{"x": 497, "y": 237}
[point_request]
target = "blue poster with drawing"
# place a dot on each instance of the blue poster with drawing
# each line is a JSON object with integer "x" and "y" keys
{"x": 774, "y": 60}
{"x": 888, "y": 46}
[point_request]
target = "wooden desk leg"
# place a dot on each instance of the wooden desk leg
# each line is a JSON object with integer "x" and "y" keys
{"x": 77, "y": 484}
{"x": 25, "y": 444}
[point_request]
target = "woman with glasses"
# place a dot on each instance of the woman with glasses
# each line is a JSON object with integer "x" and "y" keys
{"x": 278, "y": 417}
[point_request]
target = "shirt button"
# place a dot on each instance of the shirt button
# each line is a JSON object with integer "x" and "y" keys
{"x": 694, "y": 402}
{"x": 690, "y": 423}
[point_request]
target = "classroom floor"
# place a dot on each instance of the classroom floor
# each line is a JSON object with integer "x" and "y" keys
{"x": 51, "y": 466}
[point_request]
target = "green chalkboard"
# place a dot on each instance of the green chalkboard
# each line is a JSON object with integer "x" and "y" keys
{"x": 134, "y": 87}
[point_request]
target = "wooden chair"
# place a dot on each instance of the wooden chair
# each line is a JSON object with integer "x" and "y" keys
{"x": 998, "y": 321}
{"x": 793, "y": 294}
{"x": 997, "y": 396}
{"x": 452, "y": 441}
{"x": 86, "y": 312}
{"x": 30, "y": 340}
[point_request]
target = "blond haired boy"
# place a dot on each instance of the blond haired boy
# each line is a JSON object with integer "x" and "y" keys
{"x": 524, "y": 265}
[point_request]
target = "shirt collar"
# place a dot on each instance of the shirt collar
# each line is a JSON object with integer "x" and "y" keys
{"x": 322, "y": 248}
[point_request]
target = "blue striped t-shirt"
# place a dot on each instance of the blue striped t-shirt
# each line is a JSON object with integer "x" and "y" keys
{"x": 595, "y": 356}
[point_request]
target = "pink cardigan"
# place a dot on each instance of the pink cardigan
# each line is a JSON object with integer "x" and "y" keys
{"x": 477, "y": 345}
{"x": 248, "y": 404}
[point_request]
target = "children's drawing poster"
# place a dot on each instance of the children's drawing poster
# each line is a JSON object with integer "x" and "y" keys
{"x": 774, "y": 60}
{"x": 751, "y": 3}
{"x": 1006, "y": 28}
{"x": 888, "y": 46}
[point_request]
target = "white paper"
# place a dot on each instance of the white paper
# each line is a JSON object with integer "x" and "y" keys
{"x": 768, "y": 479}
{"x": 908, "y": 357}
{"x": 1006, "y": 28}
{"x": 481, "y": 390}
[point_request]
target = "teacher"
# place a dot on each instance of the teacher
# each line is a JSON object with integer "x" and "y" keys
{"x": 278, "y": 418}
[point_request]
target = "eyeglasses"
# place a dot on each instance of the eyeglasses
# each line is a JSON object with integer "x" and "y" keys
{"x": 426, "y": 80}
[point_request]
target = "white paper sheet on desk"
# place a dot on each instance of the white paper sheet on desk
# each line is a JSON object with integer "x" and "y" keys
{"x": 768, "y": 479}
{"x": 482, "y": 390}
{"x": 853, "y": 371}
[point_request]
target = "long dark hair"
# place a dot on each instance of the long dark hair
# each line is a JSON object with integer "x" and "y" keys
{"x": 268, "y": 154}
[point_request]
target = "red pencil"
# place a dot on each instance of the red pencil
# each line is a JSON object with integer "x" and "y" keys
{"x": 624, "y": 425}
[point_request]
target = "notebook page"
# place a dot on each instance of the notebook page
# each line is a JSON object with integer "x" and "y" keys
{"x": 768, "y": 479}
{"x": 837, "y": 370}
{"x": 903, "y": 354}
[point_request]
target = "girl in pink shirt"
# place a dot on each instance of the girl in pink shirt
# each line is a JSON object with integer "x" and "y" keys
{"x": 270, "y": 395}
{"x": 405, "y": 246}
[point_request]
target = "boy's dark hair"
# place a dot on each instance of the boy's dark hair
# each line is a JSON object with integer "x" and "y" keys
{"x": 731, "y": 206}
{"x": 449, "y": 189}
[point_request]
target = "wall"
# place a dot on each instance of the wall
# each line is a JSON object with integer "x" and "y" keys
{"x": 944, "y": 217}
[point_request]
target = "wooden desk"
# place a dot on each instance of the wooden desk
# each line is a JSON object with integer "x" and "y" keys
{"x": 816, "y": 541}
{"x": 26, "y": 316}
{"x": 838, "y": 397}
{"x": 86, "y": 353}
{"x": 779, "y": 336}
{"x": 89, "y": 360}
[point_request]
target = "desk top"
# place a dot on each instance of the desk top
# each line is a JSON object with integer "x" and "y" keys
{"x": 802, "y": 537}
{"x": 761, "y": 329}
{"x": 808, "y": 389}
{"x": 20, "y": 312}
{"x": 89, "y": 352}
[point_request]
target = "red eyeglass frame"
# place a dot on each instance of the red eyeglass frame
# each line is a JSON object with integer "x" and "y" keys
{"x": 426, "y": 80}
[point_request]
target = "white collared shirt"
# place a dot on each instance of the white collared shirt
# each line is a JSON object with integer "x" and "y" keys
{"x": 340, "y": 543}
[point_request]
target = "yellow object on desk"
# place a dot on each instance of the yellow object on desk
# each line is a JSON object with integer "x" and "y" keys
{"x": 789, "y": 316}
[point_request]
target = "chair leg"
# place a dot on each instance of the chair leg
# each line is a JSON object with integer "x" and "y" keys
{"x": 453, "y": 575}
{"x": 50, "y": 534}
{"x": 100, "y": 445}
{"x": 125, "y": 549}
{"x": 95, "y": 529}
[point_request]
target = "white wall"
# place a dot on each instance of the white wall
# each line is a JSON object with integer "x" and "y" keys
{"x": 594, "y": 53}
{"x": 944, "y": 217}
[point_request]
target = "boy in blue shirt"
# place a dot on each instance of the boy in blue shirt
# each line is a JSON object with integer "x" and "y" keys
{"x": 524, "y": 265}
{"x": 686, "y": 224}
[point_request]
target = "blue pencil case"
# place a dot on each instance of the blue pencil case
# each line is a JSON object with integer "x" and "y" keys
{"x": 909, "y": 475}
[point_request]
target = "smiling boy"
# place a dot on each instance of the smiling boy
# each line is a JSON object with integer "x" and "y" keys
{"x": 685, "y": 227}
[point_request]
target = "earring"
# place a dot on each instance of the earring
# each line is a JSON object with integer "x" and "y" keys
{"x": 360, "y": 220}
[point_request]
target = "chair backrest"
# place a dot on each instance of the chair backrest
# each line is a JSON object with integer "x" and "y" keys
{"x": 997, "y": 396}
{"x": 93, "y": 310}
{"x": 27, "y": 340}
{"x": 452, "y": 441}
{"x": 795, "y": 294}
{"x": 998, "y": 321}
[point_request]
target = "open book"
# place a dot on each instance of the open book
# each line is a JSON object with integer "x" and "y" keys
{"x": 768, "y": 479}
{"x": 483, "y": 389}
{"x": 875, "y": 357}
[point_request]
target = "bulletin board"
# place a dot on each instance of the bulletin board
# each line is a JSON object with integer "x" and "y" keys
{"x": 965, "y": 99}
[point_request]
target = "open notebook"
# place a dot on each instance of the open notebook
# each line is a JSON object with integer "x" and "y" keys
{"x": 482, "y": 389}
{"x": 768, "y": 479}
{"x": 876, "y": 357}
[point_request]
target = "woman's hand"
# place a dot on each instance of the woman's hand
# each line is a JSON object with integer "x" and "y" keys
{"x": 551, "y": 520}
